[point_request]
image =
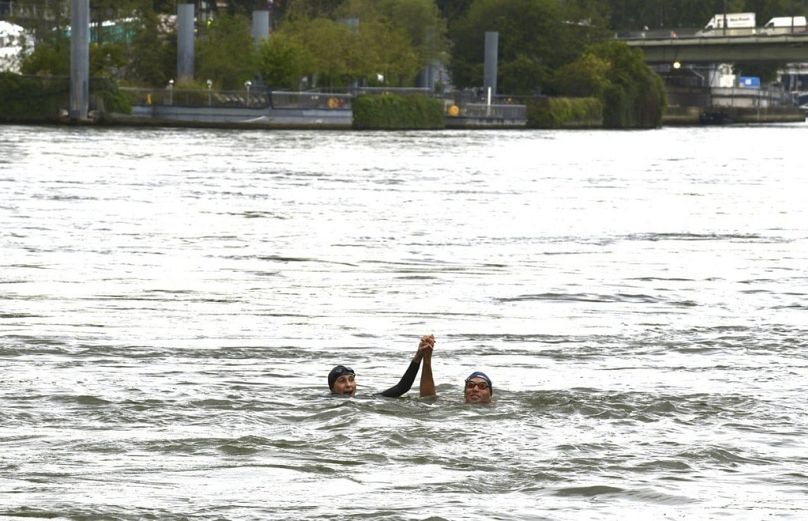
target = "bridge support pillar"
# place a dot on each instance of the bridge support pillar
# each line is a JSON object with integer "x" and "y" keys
{"x": 185, "y": 42}
{"x": 79, "y": 59}
{"x": 490, "y": 64}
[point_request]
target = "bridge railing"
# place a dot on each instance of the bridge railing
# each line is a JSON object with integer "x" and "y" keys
{"x": 690, "y": 32}
{"x": 657, "y": 34}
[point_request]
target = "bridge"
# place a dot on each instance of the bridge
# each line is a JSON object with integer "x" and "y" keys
{"x": 669, "y": 47}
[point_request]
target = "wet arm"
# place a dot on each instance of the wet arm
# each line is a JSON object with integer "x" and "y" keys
{"x": 427, "y": 382}
{"x": 406, "y": 381}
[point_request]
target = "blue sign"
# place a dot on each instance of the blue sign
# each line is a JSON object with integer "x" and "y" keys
{"x": 749, "y": 82}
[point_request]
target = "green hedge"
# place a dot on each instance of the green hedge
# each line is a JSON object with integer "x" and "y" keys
{"x": 38, "y": 99}
{"x": 396, "y": 112}
{"x": 106, "y": 91}
{"x": 565, "y": 113}
{"x": 32, "y": 99}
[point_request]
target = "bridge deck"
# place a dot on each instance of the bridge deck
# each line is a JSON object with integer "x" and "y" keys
{"x": 759, "y": 47}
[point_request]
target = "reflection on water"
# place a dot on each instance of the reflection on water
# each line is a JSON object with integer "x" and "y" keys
{"x": 171, "y": 302}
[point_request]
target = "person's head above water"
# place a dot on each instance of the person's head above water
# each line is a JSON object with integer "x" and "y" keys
{"x": 478, "y": 388}
{"x": 341, "y": 380}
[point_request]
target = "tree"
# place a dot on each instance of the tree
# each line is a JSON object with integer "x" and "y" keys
{"x": 153, "y": 52}
{"x": 583, "y": 77}
{"x": 309, "y": 9}
{"x": 387, "y": 52}
{"x": 633, "y": 95}
{"x": 226, "y": 53}
{"x": 108, "y": 11}
{"x": 420, "y": 20}
{"x": 338, "y": 53}
{"x": 49, "y": 58}
{"x": 453, "y": 9}
{"x": 330, "y": 44}
{"x": 535, "y": 37}
{"x": 284, "y": 61}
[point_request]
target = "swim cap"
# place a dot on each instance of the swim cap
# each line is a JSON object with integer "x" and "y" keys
{"x": 335, "y": 373}
{"x": 480, "y": 374}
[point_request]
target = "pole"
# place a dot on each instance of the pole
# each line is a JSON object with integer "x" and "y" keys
{"x": 260, "y": 25}
{"x": 185, "y": 42}
{"x": 490, "y": 65}
{"x": 79, "y": 59}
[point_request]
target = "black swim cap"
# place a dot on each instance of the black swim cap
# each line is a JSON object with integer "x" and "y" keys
{"x": 480, "y": 374}
{"x": 335, "y": 373}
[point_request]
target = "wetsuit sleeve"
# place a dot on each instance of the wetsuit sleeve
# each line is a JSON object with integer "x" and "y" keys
{"x": 405, "y": 383}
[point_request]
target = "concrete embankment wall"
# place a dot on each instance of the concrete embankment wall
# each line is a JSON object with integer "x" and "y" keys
{"x": 749, "y": 115}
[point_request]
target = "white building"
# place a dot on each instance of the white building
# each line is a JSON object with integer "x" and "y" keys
{"x": 14, "y": 40}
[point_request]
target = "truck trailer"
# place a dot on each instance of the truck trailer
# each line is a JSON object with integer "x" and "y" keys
{"x": 735, "y": 21}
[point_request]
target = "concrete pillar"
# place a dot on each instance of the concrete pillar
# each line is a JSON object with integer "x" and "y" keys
{"x": 428, "y": 76}
{"x": 79, "y": 59}
{"x": 491, "y": 56}
{"x": 260, "y": 26}
{"x": 185, "y": 42}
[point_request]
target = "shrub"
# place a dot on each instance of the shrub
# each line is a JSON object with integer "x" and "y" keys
{"x": 32, "y": 99}
{"x": 39, "y": 99}
{"x": 633, "y": 95}
{"x": 396, "y": 112}
{"x": 113, "y": 100}
{"x": 565, "y": 113}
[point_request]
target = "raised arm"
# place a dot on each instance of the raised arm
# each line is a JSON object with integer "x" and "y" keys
{"x": 405, "y": 384}
{"x": 427, "y": 382}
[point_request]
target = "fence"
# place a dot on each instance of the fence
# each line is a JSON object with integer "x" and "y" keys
{"x": 311, "y": 100}
{"x": 196, "y": 98}
{"x": 748, "y": 97}
{"x": 255, "y": 99}
{"x": 468, "y": 103}
{"x": 498, "y": 111}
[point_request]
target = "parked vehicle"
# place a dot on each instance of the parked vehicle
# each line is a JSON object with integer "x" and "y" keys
{"x": 737, "y": 23}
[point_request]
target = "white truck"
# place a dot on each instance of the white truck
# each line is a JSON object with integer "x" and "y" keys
{"x": 738, "y": 23}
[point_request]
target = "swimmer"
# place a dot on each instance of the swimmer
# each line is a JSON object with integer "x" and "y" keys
{"x": 478, "y": 388}
{"x": 342, "y": 379}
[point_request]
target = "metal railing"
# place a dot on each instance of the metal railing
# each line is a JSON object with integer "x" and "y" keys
{"x": 484, "y": 111}
{"x": 196, "y": 98}
{"x": 468, "y": 104}
{"x": 311, "y": 100}
{"x": 750, "y": 97}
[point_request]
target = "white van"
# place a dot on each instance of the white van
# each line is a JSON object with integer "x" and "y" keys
{"x": 785, "y": 24}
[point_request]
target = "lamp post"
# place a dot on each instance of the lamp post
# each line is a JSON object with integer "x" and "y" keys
{"x": 247, "y": 85}
{"x": 171, "y": 92}
{"x": 210, "y": 85}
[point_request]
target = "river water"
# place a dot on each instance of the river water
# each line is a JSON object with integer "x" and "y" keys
{"x": 172, "y": 300}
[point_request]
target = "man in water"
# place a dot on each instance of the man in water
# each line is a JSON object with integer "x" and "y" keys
{"x": 478, "y": 388}
{"x": 342, "y": 379}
